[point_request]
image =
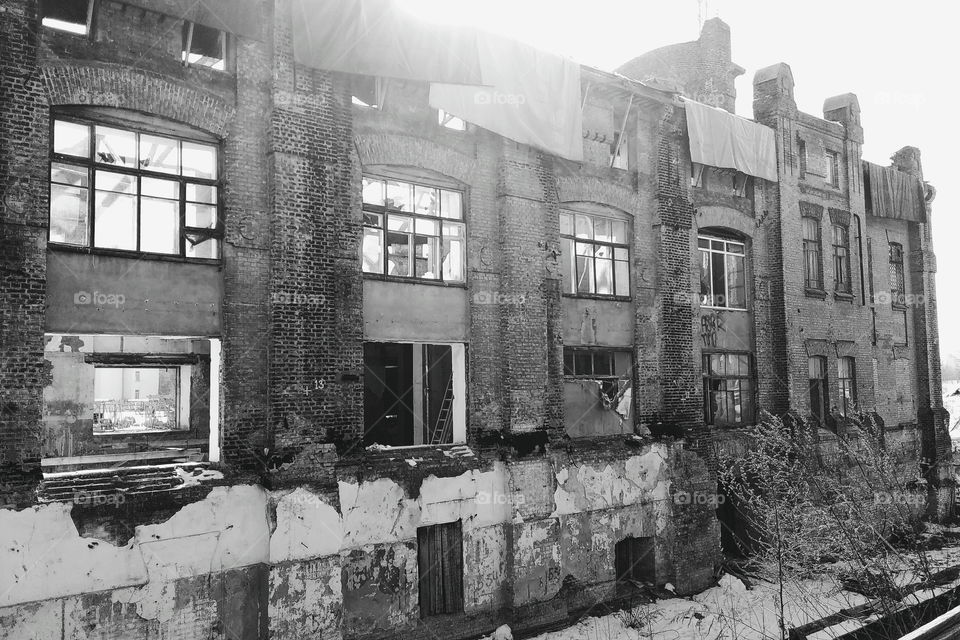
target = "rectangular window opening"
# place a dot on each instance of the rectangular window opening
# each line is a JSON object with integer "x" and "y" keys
{"x": 728, "y": 389}
{"x": 635, "y": 562}
{"x": 812, "y": 253}
{"x": 72, "y": 16}
{"x": 119, "y": 401}
{"x": 450, "y": 121}
{"x": 414, "y": 394}
{"x": 847, "y": 378}
{"x": 204, "y": 46}
{"x": 722, "y": 273}
{"x": 595, "y": 254}
{"x": 819, "y": 389}
{"x": 440, "y": 565}
{"x": 841, "y": 259}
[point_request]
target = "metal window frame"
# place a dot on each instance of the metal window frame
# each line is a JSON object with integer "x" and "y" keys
{"x": 575, "y": 276}
{"x": 726, "y": 280}
{"x": 750, "y": 378}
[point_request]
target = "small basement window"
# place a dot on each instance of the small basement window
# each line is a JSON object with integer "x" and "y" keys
{"x": 204, "y": 46}
{"x": 635, "y": 562}
{"x": 72, "y": 16}
{"x": 440, "y": 564}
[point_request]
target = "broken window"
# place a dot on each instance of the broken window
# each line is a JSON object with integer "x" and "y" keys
{"x": 841, "y": 258}
{"x": 597, "y": 397}
{"x": 414, "y": 393}
{"x": 819, "y": 389}
{"x": 440, "y": 564}
{"x": 722, "y": 273}
{"x": 635, "y": 561}
{"x": 72, "y": 16}
{"x": 812, "y": 261}
{"x": 897, "y": 282}
{"x": 204, "y": 46}
{"x": 450, "y": 121}
{"x": 728, "y": 389}
{"x": 847, "y": 377}
{"x": 117, "y": 188}
{"x": 119, "y": 401}
{"x": 595, "y": 250}
{"x": 413, "y": 231}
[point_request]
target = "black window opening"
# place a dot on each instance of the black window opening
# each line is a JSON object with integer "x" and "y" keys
{"x": 819, "y": 389}
{"x": 596, "y": 254}
{"x": 611, "y": 368}
{"x": 121, "y": 189}
{"x": 440, "y": 564}
{"x": 413, "y": 231}
{"x": 812, "y": 253}
{"x": 802, "y": 157}
{"x": 847, "y": 378}
{"x": 841, "y": 259}
{"x": 898, "y": 290}
{"x": 72, "y": 16}
{"x": 409, "y": 393}
{"x": 635, "y": 562}
{"x": 728, "y": 389}
{"x": 722, "y": 273}
{"x": 204, "y": 46}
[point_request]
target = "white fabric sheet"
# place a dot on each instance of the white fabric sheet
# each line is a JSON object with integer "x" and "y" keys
{"x": 721, "y": 139}
{"x": 530, "y": 96}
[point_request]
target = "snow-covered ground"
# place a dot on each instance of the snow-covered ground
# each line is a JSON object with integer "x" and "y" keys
{"x": 731, "y": 611}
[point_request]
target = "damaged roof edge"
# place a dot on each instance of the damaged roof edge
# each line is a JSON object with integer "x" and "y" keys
{"x": 613, "y": 80}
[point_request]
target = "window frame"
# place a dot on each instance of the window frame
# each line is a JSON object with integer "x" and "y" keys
{"x": 709, "y": 416}
{"x": 842, "y": 278}
{"x": 226, "y": 48}
{"x": 832, "y": 176}
{"x": 87, "y": 27}
{"x": 812, "y": 246}
{"x": 897, "y": 276}
{"x": 823, "y": 389}
{"x": 174, "y": 363}
{"x": 90, "y": 164}
{"x": 711, "y": 238}
{"x": 847, "y": 385}
{"x": 385, "y": 212}
{"x": 569, "y": 242}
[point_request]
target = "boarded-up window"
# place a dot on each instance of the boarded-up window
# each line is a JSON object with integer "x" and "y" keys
{"x": 440, "y": 560}
{"x": 636, "y": 561}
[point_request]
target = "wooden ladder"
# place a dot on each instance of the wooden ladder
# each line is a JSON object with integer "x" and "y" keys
{"x": 442, "y": 428}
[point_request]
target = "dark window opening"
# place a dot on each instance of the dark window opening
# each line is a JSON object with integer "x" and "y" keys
{"x": 369, "y": 91}
{"x": 833, "y": 168}
{"x": 610, "y": 367}
{"x": 440, "y": 564}
{"x": 635, "y": 561}
{"x": 204, "y": 46}
{"x": 72, "y": 16}
{"x": 847, "y": 377}
{"x": 819, "y": 389}
{"x": 812, "y": 260}
{"x": 596, "y": 254}
{"x": 722, "y": 273}
{"x": 120, "y": 189}
{"x": 413, "y": 231}
{"x": 409, "y": 394}
{"x": 802, "y": 156}
{"x": 728, "y": 389}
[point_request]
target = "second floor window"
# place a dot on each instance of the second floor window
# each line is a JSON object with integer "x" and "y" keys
{"x": 819, "y": 389}
{"x": 812, "y": 271}
{"x": 847, "y": 377}
{"x": 841, "y": 258}
{"x": 596, "y": 254}
{"x": 898, "y": 289}
{"x": 413, "y": 231}
{"x": 722, "y": 273}
{"x": 117, "y": 188}
{"x": 833, "y": 169}
{"x": 728, "y": 395}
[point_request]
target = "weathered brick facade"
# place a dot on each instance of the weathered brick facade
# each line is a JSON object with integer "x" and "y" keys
{"x": 300, "y": 530}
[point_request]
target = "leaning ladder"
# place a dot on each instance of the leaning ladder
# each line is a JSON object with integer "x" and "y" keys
{"x": 441, "y": 429}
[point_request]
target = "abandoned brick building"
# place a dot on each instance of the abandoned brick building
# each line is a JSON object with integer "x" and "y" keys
{"x": 289, "y": 351}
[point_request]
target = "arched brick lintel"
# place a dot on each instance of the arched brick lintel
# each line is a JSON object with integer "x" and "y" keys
{"x": 110, "y": 85}
{"x": 724, "y": 217}
{"x": 599, "y": 191}
{"x": 409, "y": 151}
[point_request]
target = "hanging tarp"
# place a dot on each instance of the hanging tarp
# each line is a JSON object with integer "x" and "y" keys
{"x": 721, "y": 139}
{"x": 373, "y": 37}
{"x": 530, "y": 96}
{"x": 893, "y": 194}
{"x": 240, "y": 17}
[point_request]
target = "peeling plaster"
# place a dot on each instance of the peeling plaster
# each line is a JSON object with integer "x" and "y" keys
{"x": 307, "y": 527}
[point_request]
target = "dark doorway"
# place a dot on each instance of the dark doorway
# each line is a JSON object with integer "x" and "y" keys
{"x": 388, "y": 393}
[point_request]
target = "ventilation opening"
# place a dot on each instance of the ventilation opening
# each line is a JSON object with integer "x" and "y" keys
{"x": 636, "y": 562}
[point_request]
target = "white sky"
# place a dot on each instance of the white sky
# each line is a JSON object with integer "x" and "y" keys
{"x": 896, "y": 56}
